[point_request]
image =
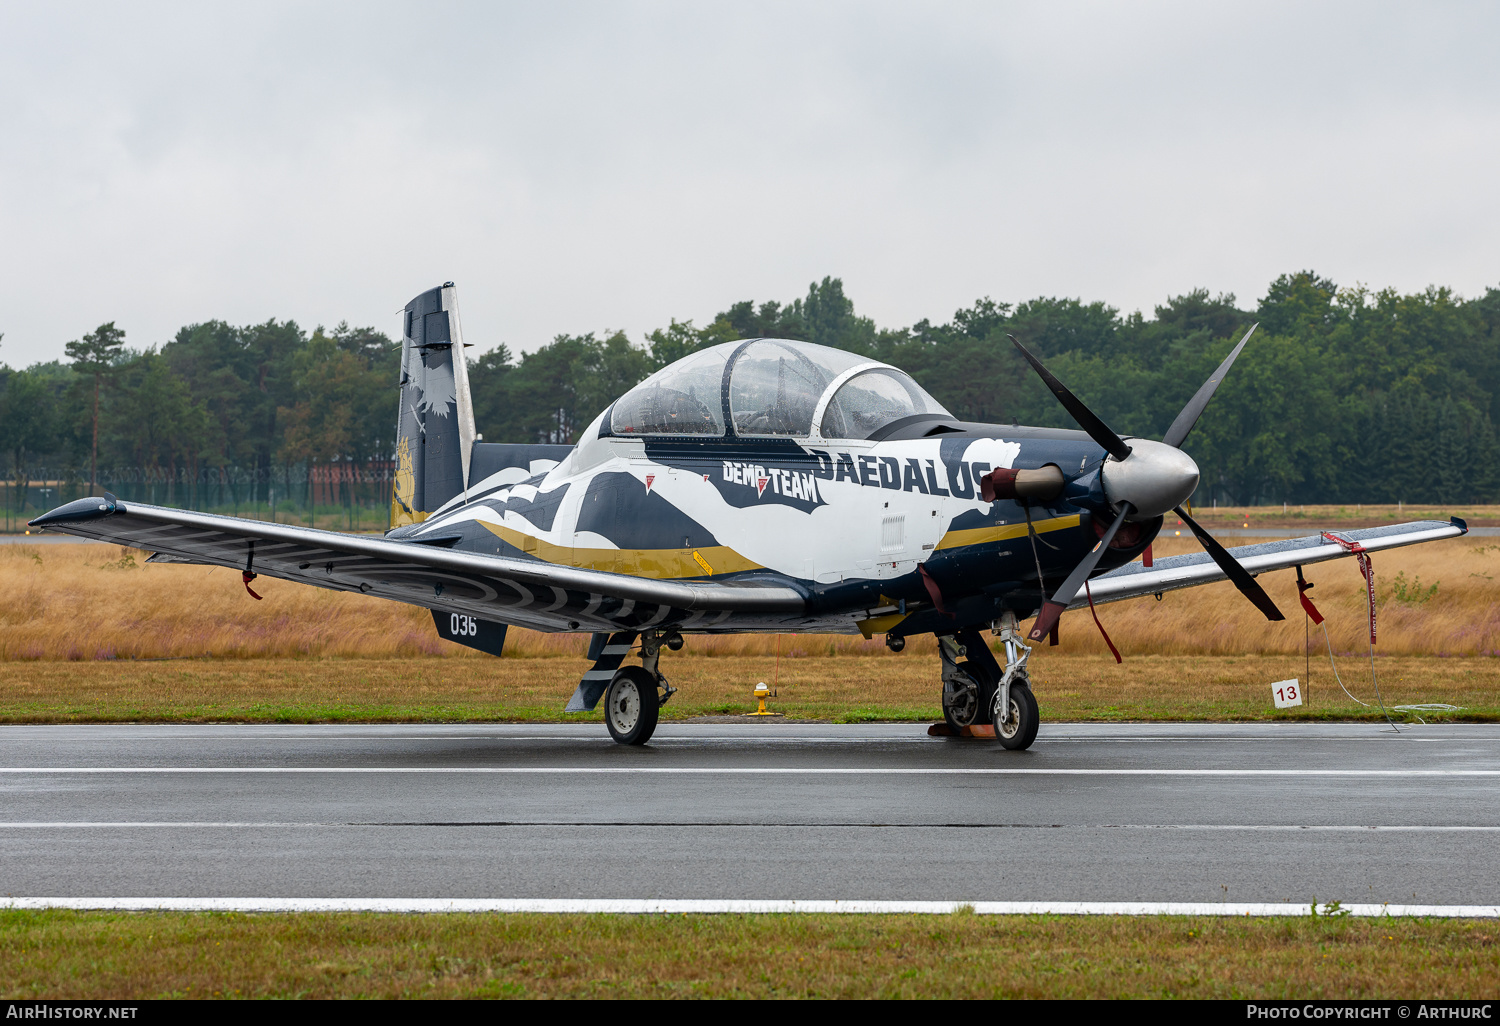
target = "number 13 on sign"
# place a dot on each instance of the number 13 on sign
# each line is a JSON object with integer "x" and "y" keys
{"x": 1286, "y": 693}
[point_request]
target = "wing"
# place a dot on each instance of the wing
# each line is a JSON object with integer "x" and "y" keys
{"x": 527, "y": 593}
{"x": 1174, "y": 572}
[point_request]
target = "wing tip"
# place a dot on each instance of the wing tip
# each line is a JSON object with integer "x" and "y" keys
{"x": 79, "y": 510}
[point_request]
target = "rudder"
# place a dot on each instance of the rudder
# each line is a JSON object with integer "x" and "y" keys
{"x": 435, "y": 426}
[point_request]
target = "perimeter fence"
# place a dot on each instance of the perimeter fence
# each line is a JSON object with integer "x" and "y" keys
{"x": 343, "y": 496}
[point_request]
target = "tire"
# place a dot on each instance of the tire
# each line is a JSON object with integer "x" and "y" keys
{"x": 632, "y": 706}
{"x": 1017, "y": 730}
{"x": 972, "y": 705}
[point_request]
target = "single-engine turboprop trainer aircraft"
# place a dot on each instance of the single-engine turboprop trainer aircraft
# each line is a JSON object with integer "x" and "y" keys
{"x": 761, "y": 485}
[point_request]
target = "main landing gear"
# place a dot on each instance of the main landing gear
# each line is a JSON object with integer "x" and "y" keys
{"x": 633, "y": 700}
{"x": 976, "y": 691}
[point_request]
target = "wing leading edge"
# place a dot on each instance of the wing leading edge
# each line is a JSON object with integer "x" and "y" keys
{"x": 529, "y": 593}
{"x": 549, "y": 597}
{"x": 1174, "y": 572}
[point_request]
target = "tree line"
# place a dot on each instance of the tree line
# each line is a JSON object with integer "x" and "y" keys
{"x": 1344, "y": 395}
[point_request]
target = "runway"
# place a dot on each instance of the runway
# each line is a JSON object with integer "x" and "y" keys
{"x": 1256, "y": 814}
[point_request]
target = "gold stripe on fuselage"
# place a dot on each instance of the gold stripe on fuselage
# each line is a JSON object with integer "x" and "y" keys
{"x": 1003, "y": 532}
{"x": 671, "y": 564}
{"x": 661, "y": 564}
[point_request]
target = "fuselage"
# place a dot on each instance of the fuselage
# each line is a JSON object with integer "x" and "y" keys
{"x": 882, "y": 535}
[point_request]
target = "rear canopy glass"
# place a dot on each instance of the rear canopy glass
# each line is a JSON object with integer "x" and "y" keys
{"x": 683, "y": 398}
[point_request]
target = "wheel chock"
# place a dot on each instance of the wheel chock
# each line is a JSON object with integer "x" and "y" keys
{"x": 983, "y": 730}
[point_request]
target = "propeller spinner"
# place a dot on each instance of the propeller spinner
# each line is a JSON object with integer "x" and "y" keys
{"x": 1143, "y": 480}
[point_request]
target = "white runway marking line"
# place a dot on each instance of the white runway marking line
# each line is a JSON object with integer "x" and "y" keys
{"x": 679, "y": 906}
{"x": 739, "y": 771}
{"x": 664, "y": 739}
{"x": 607, "y": 743}
{"x": 456, "y": 824}
{"x": 687, "y": 733}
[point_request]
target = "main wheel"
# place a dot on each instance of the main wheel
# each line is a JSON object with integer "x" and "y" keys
{"x": 631, "y": 706}
{"x": 1016, "y": 729}
{"x": 970, "y": 700}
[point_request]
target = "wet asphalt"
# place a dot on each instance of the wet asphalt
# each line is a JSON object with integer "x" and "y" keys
{"x": 1130, "y": 812}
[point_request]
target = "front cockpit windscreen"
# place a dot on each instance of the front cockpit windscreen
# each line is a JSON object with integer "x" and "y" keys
{"x": 775, "y": 385}
{"x": 684, "y": 398}
{"x": 874, "y": 398}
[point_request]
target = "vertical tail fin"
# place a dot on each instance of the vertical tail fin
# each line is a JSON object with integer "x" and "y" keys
{"x": 435, "y": 427}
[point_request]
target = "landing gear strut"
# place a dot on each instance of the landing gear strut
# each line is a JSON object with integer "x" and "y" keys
{"x": 1014, "y": 712}
{"x": 633, "y": 700}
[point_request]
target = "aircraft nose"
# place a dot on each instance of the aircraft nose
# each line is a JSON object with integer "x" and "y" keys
{"x": 1154, "y": 478}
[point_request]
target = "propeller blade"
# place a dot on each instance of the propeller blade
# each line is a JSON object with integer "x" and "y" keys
{"x": 1081, "y": 414}
{"x": 1053, "y": 607}
{"x": 1183, "y": 425}
{"x": 1248, "y": 585}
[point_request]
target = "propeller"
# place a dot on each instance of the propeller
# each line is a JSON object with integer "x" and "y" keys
{"x": 1249, "y": 586}
{"x": 1081, "y": 414}
{"x": 1063, "y": 596}
{"x": 1178, "y": 432}
{"x": 1143, "y": 480}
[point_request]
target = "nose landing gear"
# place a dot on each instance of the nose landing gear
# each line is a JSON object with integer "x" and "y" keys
{"x": 1015, "y": 713}
{"x": 978, "y": 692}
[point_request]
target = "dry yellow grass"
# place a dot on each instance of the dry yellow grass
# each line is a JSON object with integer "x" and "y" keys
{"x": 92, "y": 602}
{"x": 166, "y": 955}
{"x": 847, "y": 688}
{"x": 1327, "y": 517}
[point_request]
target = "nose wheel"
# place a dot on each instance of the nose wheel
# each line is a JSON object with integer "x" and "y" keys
{"x": 1015, "y": 712}
{"x": 1015, "y": 727}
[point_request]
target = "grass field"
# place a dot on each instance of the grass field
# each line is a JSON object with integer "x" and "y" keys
{"x": 840, "y": 688}
{"x": 93, "y": 602}
{"x": 93, "y": 633}
{"x": 151, "y": 955}
{"x": 1317, "y": 518}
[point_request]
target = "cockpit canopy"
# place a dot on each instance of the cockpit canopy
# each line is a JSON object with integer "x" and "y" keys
{"x": 770, "y": 388}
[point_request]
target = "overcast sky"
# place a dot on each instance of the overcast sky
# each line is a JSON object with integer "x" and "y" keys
{"x": 578, "y": 166}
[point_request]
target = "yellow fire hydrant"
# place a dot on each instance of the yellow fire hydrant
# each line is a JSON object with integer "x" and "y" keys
{"x": 761, "y": 694}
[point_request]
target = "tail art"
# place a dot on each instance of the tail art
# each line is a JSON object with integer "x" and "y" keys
{"x": 435, "y": 427}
